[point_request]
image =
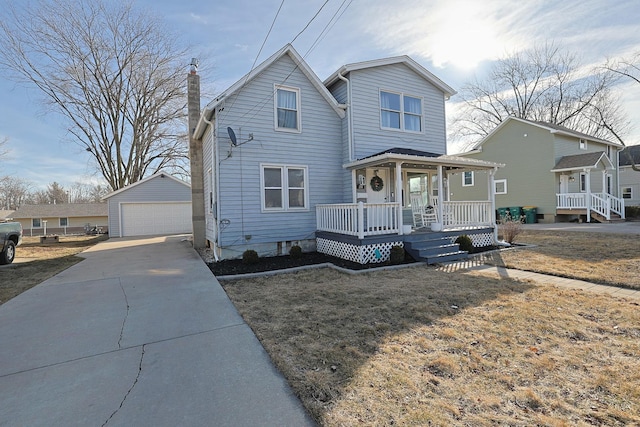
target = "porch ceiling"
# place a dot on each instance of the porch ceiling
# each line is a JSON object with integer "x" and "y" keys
{"x": 420, "y": 160}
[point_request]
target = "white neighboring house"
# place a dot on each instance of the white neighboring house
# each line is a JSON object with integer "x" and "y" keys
{"x": 157, "y": 205}
{"x": 629, "y": 178}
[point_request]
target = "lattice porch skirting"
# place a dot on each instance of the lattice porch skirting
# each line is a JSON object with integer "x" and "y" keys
{"x": 362, "y": 254}
{"x": 479, "y": 240}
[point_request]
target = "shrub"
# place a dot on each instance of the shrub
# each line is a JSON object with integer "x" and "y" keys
{"x": 397, "y": 255}
{"x": 250, "y": 257}
{"x": 465, "y": 243}
{"x": 509, "y": 229}
{"x": 632, "y": 211}
{"x": 295, "y": 252}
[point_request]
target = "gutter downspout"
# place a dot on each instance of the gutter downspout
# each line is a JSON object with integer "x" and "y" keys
{"x": 349, "y": 115}
{"x": 492, "y": 197}
{"x": 214, "y": 159}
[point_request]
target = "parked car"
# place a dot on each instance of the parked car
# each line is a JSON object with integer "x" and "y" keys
{"x": 10, "y": 238}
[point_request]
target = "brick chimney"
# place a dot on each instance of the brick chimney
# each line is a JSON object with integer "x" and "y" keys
{"x": 195, "y": 156}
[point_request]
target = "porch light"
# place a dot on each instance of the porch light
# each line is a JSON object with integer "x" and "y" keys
{"x": 572, "y": 178}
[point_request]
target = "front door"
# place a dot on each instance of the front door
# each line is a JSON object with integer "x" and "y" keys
{"x": 564, "y": 184}
{"x": 378, "y": 185}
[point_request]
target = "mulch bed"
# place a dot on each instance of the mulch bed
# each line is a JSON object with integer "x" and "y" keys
{"x": 236, "y": 266}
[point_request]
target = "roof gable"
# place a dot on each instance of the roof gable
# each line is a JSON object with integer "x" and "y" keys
{"x": 157, "y": 175}
{"x": 300, "y": 63}
{"x": 551, "y": 128}
{"x": 413, "y": 65}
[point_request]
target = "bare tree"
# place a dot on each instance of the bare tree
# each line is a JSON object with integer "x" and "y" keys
{"x": 3, "y": 147}
{"x": 629, "y": 69}
{"x": 86, "y": 193}
{"x": 13, "y": 192}
{"x": 114, "y": 72}
{"x": 543, "y": 84}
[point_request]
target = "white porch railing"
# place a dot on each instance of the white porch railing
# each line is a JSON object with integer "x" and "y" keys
{"x": 601, "y": 203}
{"x": 359, "y": 219}
{"x": 370, "y": 219}
{"x": 466, "y": 215}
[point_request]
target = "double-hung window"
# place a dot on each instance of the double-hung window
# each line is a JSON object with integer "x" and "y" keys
{"x": 36, "y": 223}
{"x": 467, "y": 179}
{"x": 627, "y": 193}
{"x": 500, "y": 186}
{"x": 400, "y": 111}
{"x": 287, "y": 109}
{"x": 284, "y": 188}
{"x": 64, "y": 222}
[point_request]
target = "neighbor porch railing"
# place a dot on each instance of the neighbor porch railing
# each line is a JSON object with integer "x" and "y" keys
{"x": 359, "y": 219}
{"x": 456, "y": 215}
{"x": 601, "y": 203}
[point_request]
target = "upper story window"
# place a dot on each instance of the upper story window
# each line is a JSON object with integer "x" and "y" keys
{"x": 287, "y": 109}
{"x": 467, "y": 179}
{"x": 583, "y": 144}
{"x": 400, "y": 111}
{"x": 284, "y": 188}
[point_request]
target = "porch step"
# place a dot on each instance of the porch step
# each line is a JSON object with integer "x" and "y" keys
{"x": 433, "y": 248}
{"x": 614, "y": 218}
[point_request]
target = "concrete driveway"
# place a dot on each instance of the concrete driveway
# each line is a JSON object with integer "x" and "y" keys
{"x": 140, "y": 333}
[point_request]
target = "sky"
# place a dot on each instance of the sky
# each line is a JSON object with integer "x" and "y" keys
{"x": 457, "y": 40}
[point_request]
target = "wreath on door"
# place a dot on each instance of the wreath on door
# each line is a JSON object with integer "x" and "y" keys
{"x": 376, "y": 183}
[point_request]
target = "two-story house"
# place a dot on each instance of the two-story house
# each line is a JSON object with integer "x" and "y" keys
{"x": 629, "y": 176}
{"x": 566, "y": 175}
{"x": 333, "y": 165}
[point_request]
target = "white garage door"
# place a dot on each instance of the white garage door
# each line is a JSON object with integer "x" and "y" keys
{"x": 144, "y": 219}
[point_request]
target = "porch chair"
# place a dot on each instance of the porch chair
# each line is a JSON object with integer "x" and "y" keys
{"x": 422, "y": 216}
{"x": 447, "y": 213}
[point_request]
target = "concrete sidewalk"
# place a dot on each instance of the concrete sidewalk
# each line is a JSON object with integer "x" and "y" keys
{"x": 139, "y": 333}
{"x": 478, "y": 267}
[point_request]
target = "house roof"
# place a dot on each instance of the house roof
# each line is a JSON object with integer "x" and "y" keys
{"x": 630, "y": 155}
{"x": 62, "y": 210}
{"x": 552, "y": 128}
{"x": 142, "y": 181}
{"x": 4, "y": 214}
{"x": 582, "y": 161}
{"x": 300, "y": 63}
{"x": 414, "y": 156}
{"x": 413, "y": 65}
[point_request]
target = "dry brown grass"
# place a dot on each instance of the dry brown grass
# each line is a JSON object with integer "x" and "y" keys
{"x": 612, "y": 259}
{"x": 388, "y": 348}
{"x": 423, "y": 347}
{"x": 44, "y": 261}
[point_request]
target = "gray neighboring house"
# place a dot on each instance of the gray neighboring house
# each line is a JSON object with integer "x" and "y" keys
{"x": 334, "y": 166}
{"x": 629, "y": 178}
{"x": 64, "y": 218}
{"x": 157, "y": 205}
{"x": 564, "y": 174}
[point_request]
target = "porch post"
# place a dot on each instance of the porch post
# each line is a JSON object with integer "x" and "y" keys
{"x": 354, "y": 186}
{"x": 360, "y": 220}
{"x": 492, "y": 198}
{"x": 587, "y": 184}
{"x": 440, "y": 198}
{"x": 399, "y": 195}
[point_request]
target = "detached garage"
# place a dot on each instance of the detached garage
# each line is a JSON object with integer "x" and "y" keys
{"x": 157, "y": 205}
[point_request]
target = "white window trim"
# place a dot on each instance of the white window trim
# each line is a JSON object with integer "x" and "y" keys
{"x": 275, "y": 109}
{"x": 39, "y": 226}
{"x": 630, "y": 192}
{"x": 285, "y": 188}
{"x": 582, "y": 144}
{"x": 60, "y": 222}
{"x": 495, "y": 186}
{"x": 401, "y": 111}
{"x": 473, "y": 179}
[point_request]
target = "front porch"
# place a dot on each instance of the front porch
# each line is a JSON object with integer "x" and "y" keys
{"x": 366, "y": 232}
{"x": 602, "y": 207}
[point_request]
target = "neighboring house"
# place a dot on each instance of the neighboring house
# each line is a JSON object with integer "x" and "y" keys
{"x": 629, "y": 178}
{"x": 291, "y": 160}
{"x": 562, "y": 173}
{"x": 156, "y": 205}
{"x": 64, "y": 218}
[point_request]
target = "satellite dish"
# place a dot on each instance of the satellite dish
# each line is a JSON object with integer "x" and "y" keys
{"x": 232, "y": 136}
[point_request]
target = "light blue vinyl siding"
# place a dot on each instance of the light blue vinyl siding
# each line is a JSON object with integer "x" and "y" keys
{"x": 318, "y": 147}
{"x": 369, "y": 137}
